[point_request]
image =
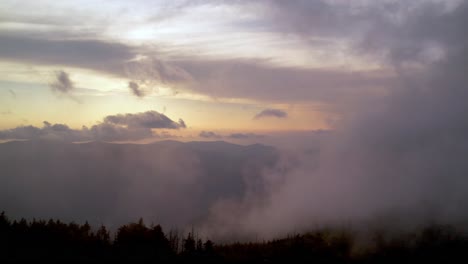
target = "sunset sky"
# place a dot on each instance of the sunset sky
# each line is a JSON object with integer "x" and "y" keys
{"x": 359, "y": 108}
{"x": 215, "y": 64}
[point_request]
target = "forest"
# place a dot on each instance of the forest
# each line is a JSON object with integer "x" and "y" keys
{"x": 54, "y": 241}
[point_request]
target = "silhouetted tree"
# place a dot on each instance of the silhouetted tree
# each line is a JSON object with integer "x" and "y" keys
{"x": 102, "y": 235}
{"x": 4, "y": 222}
{"x": 174, "y": 240}
{"x": 199, "y": 246}
{"x": 189, "y": 244}
{"x": 208, "y": 246}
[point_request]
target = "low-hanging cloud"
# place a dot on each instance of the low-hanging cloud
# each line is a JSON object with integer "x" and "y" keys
{"x": 271, "y": 113}
{"x": 122, "y": 127}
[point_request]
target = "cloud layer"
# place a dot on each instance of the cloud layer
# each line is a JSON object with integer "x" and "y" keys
{"x": 120, "y": 127}
{"x": 398, "y": 161}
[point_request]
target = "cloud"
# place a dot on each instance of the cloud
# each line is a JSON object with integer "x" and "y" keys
{"x": 149, "y": 119}
{"x": 61, "y": 132}
{"x": 259, "y": 80}
{"x": 122, "y": 127}
{"x": 62, "y": 83}
{"x": 225, "y": 78}
{"x": 21, "y": 132}
{"x": 387, "y": 32}
{"x": 367, "y": 28}
{"x": 111, "y": 132}
{"x": 245, "y": 135}
{"x": 106, "y": 57}
{"x": 271, "y": 113}
{"x": 135, "y": 89}
{"x": 88, "y": 54}
{"x": 48, "y": 131}
{"x": 152, "y": 71}
{"x": 402, "y": 156}
{"x": 314, "y": 18}
{"x": 209, "y": 134}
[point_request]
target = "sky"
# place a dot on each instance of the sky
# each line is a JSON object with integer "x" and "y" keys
{"x": 221, "y": 66}
{"x": 363, "y": 101}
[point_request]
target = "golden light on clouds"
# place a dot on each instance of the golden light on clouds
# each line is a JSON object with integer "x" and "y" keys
{"x": 216, "y": 66}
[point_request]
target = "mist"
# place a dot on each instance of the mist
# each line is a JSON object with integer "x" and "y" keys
{"x": 396, "y": 161}
{"x": 169, "y": 183}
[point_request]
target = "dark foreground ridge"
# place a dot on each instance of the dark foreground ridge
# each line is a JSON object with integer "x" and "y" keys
{"x": 54, "y": 241}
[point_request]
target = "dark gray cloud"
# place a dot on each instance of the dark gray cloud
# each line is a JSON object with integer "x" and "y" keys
{"x": 271, "y": 113}
{"x": 135, "y": 89}
{"x": 61, "y": 132}
{"x": 389, "y": 30}
{"x": 314, "y": 18}
{"x": 258, "y": 80}
{"x": 149, "y": 119}
{"x": 90, "y": 54}
{"x": 245, "y": 136}
{"x": 209, "y": 134}
{"x": 108, "y": 57}
{"x": 62, "y": 83}
{"x": 48, "y": 131}
{"x": 122, "y": 127}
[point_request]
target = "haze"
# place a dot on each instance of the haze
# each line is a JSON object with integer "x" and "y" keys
{"x": 240, "y": 117}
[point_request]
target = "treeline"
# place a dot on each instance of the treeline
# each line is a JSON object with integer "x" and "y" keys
{"x": 54, "y": 241}
{"x": 432, "y": 244}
